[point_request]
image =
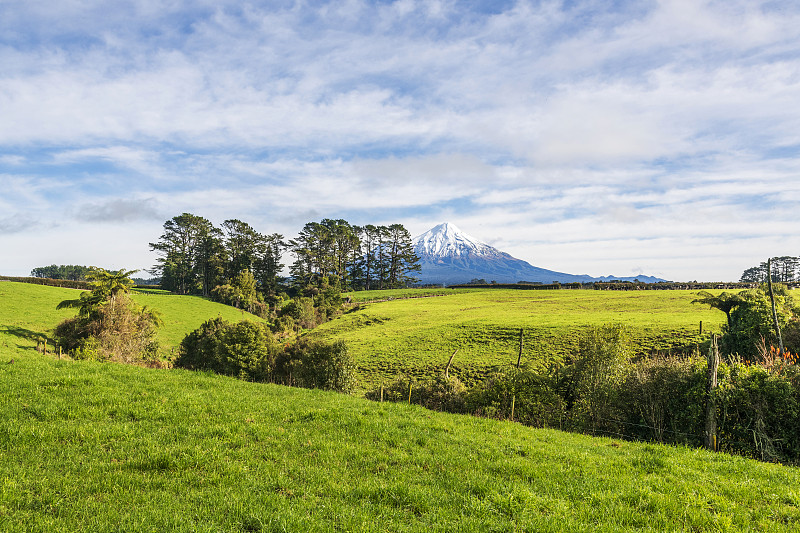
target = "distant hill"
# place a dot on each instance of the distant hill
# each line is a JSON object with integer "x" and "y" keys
{"x": 450, "y": 256}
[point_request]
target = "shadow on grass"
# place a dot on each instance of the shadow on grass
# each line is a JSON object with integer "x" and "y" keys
{"x": 27, "y": 334}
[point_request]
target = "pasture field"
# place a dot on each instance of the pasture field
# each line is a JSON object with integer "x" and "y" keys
{"x": 88, "y": 446}
{"x": 399, "y": 294}
{"x": 415, "y": 337}
{"x": 28, "y": 312}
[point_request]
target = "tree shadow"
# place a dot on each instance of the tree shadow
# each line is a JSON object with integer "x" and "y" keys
{"x": 27, "y": 334}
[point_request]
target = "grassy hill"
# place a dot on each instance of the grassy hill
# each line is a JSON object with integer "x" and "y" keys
{"x": 87, "y": 446}
{"x": 104, "y": 447}
{"x": 417, "y": 336}
{"x": 28, "y": 312}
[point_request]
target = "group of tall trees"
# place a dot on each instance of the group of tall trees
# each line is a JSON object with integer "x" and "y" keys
{"x": 70, "y": 272}
{"x": 196, "y": 257}
{"x": 359, "y": 257}
{"x": 784, "y": 269}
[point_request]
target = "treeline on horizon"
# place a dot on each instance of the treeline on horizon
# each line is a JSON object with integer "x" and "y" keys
{"x": 196, "y": 257}
{"x": 785, "y": 269}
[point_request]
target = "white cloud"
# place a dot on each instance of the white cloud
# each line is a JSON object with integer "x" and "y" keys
{"x": 563, "y": 132}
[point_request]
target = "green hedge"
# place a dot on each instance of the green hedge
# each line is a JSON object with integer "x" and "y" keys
{"x": 70, "y": 284}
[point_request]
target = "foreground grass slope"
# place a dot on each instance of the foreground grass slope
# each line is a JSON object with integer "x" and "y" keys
{"x": 417, "y": 336}
{"x": 28, "y": 312}
{"x": 103, "y": 447}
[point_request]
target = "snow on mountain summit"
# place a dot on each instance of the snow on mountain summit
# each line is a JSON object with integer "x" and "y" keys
{"x": 449, "y": 257}
{"x": 446, "y": 240}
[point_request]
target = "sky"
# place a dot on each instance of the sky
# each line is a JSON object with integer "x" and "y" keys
{"x": 589, "y": 137}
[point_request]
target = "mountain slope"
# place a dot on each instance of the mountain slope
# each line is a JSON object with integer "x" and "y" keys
{"x": 450, "y": 256}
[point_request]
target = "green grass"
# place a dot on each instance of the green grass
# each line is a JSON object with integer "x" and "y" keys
{"x": 399, "y": 294}
{"x": 88, "y": 446}
{"x": 417, "y": 336}
{"x": 104, "y": 447}
{"x": 28, "y": 312}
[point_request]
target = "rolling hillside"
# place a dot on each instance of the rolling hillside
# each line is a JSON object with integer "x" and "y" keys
{"x": 105, "y": 447}
{"x": 29, "y": 311}
{"x": 416, "y": 336}
{"x": 87, "y": 446}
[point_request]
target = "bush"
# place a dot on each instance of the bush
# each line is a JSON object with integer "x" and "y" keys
{"x": 118, "y": 330}
{"x": 317, "y": 365}
{"x": 591, "y": 380}
{"x": 751, "y": 321}
{"x": 249, "y": 351}
{"x": 663, "y": 399}
{"x": 534, "y": 396}
{"x": 758, "y": 413}
{"x": 245, "y": 350}
{"x": 241, "y": 293}
{"x": 440, "y": 393}
{"x": 302, "y": 312}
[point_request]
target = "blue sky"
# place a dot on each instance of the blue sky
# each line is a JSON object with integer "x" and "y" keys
{"x": 584, "y": 136}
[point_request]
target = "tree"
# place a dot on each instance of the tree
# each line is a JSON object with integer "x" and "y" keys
{"x": 69, "y": 272}
{"x": 244, "y": 246}
{"x": 267, "y": 268}
{"x": 324, "y": 250}
{"x": 725, "y": 302}
{"x": 188, "y": 250}
{"x": 109, "y": 324}
{"x": 105, "y": 287}
{"x": 752, "y": 320}
{"x": 370, "y": 244}
{"x": 784, "y": 269}
{"x": 402, "y": 259}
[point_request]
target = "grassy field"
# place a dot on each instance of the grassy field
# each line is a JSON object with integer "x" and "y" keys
{"x": 414, "y": 332}
{"x": 28, "y": 312}
{"x": 399, "y": 294}
{"x": 88, "y": 446}
{"x": 417, "y": 336}
{"x": 105, "y": 447}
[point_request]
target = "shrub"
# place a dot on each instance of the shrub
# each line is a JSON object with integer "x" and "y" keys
{"x": 663, "y": 399}
{"x": 245, "y": 350}
{"x": 439, "y": 393}
{"x": 591, "y": 380}
{"x": 751, "y": 321}
{"x": 302, "y": 312}
{"x": 249, "y": 351}
{"x": 241, "y": 293}
{"x": 116, "y": 330}
{"x": 758, "y": 413}
{"x": 317, "y": 365}
{"x": 534, "y": 396}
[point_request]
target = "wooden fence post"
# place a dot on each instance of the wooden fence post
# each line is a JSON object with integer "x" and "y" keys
{"x": 711, "y": 404}
{"x": 381, "y": 392}
{"x": 513, "y": 401}
{"x": 519, "y": 359}
{"x": 409, "y": 392}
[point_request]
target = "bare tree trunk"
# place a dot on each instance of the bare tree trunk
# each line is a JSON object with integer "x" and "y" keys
{"x": 774, "y": 312}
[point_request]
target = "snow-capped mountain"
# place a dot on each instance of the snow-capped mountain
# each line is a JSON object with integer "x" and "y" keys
{"x": 446, "y": 240}
{"x": 449, "y": 256}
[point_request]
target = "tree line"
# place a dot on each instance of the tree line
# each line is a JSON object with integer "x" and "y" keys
{"x": 784, "y": 269}
{"x": 197, "y": 257}
{"x": 68, "y": 272}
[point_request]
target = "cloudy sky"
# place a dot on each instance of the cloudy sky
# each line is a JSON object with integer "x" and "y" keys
{"x": 596, "y": 137}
